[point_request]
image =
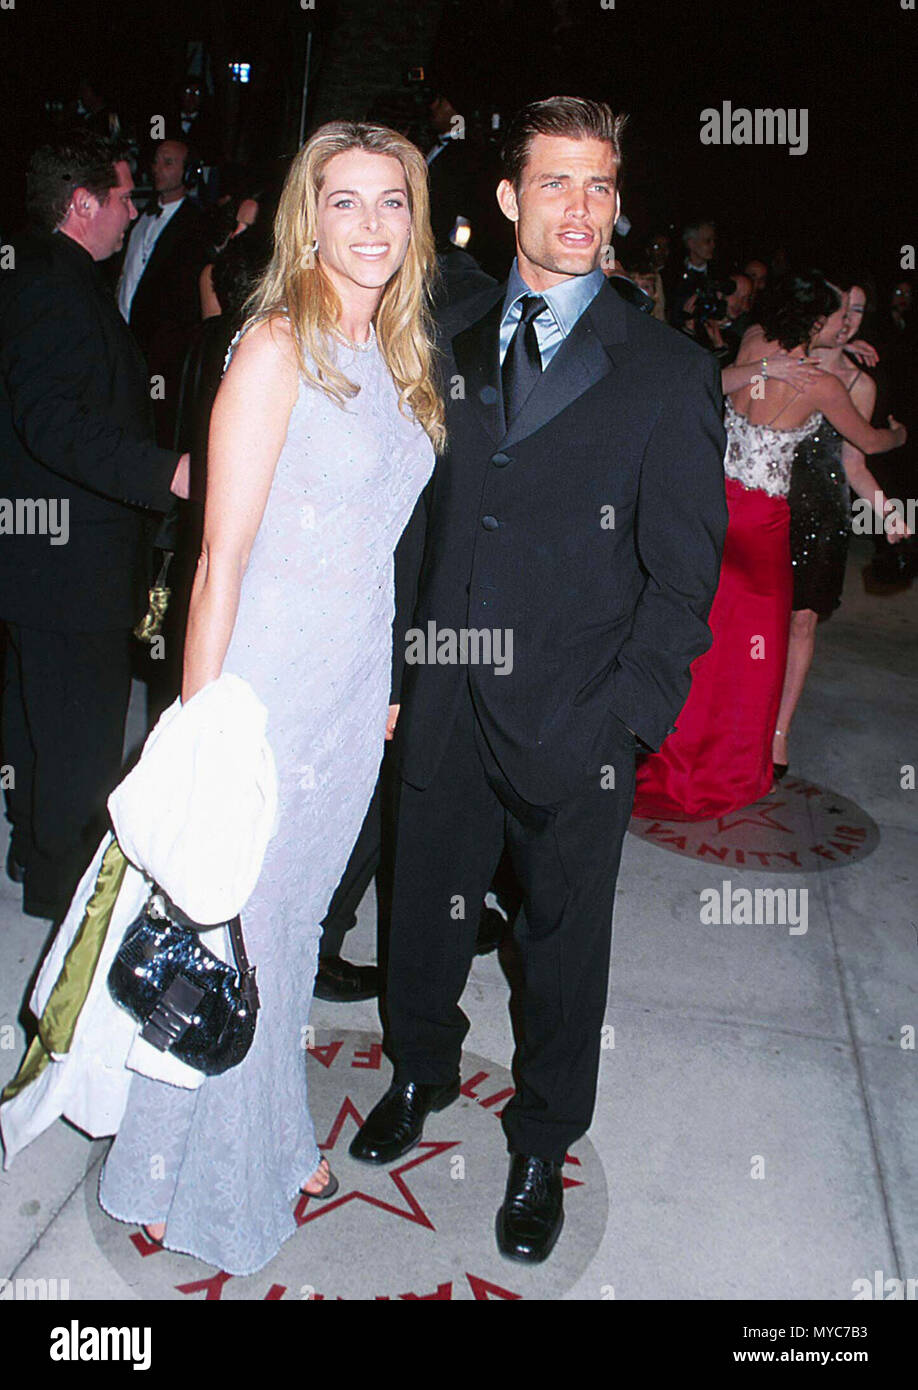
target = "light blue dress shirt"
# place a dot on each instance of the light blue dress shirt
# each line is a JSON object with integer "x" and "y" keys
{"x": 566, "y": 302}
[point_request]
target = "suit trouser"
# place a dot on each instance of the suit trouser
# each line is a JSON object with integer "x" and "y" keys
{"x": 362, "y": 867}
{"x": 371, "y": 858}
{"x": 449, "y": 840}
{"x": 65, "y": 702}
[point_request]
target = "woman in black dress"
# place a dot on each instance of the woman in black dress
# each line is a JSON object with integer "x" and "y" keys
{"x": 825, "y": 467}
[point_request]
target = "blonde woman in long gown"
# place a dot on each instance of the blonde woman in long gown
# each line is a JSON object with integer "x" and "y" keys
{"x": 322, "y": 437}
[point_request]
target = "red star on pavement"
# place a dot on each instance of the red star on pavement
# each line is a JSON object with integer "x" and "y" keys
{"x": 565, "y": 1180}
{"x": 308, "y": 1208}
{"x": 761, "y": 819}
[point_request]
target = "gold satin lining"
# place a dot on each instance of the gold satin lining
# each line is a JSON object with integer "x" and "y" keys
{"x": 65, "y": 1002}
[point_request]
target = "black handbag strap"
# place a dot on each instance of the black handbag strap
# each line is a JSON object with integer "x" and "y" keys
{"x": 246, "y": 970}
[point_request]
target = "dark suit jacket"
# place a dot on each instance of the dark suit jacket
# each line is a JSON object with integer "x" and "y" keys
{"x": 606, "y": 618}
{"x": 166, "y": 307}
{"x": 75, "y": 425}
{"x": 460, "y": 277}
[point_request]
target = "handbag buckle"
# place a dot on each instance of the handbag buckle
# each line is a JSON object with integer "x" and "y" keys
{"x": 173, "y": 1014}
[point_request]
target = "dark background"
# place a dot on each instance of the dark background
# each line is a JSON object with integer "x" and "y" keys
{"x": 850, "y": 200}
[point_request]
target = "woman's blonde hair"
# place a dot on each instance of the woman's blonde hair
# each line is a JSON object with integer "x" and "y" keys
{"x": 294, "y": 283}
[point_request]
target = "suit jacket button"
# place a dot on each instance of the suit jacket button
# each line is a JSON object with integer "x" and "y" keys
{"x": 501, "y": 460}
{"x": 490, "y": 523}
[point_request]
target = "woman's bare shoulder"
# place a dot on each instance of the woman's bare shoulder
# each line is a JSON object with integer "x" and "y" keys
{"x": 270, "y": 340}
{"x": 827, "y": 389}
{"x": 264, "y": 352}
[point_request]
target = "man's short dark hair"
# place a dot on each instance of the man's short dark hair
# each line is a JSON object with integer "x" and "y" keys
{"x": 573, "y": 117}
{"x": 76, "y": 160}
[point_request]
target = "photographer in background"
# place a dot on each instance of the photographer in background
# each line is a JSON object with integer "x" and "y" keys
{"x": 720, "y": 315}
{"x": 700, "y": 242}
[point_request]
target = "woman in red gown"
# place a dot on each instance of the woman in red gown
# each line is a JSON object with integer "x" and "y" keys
{"x": 719, "y": 757}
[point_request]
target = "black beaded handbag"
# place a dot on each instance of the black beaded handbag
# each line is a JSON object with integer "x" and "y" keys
{"x": 191, "y": 1004}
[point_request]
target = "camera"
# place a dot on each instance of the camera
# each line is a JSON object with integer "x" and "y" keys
{"x": 711, "y": 300}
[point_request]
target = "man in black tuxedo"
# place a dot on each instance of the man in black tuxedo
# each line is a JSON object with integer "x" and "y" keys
{"x": 576, "y": 520}
{"x": 76, "y": 444}
{"x": 158, "y": 292}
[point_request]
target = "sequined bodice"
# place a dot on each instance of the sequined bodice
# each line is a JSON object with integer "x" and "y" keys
{"x": 761, "y": 457}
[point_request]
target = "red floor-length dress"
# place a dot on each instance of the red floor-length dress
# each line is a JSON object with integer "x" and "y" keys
{"x": 719, "y": 757}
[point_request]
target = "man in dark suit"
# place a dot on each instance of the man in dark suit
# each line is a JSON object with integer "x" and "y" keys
{"x": 573, "y": 546}
{"x": 338, "y": 980}
{"x": 158, "y": 292}
{"x": 76, "y": 442}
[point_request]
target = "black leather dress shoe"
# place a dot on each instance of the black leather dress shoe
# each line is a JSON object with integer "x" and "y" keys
{"x": 396, "y": 1123}
{"x": 342, "y": 983}
{"x": 530, "y": 1220}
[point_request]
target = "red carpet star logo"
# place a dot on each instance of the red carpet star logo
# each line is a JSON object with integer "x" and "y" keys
{"x": 760, "y": 816}
{"x": 309, "y": 1208}
{"x": 419, "y": 1229}
{"x": 802, "y": 828}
